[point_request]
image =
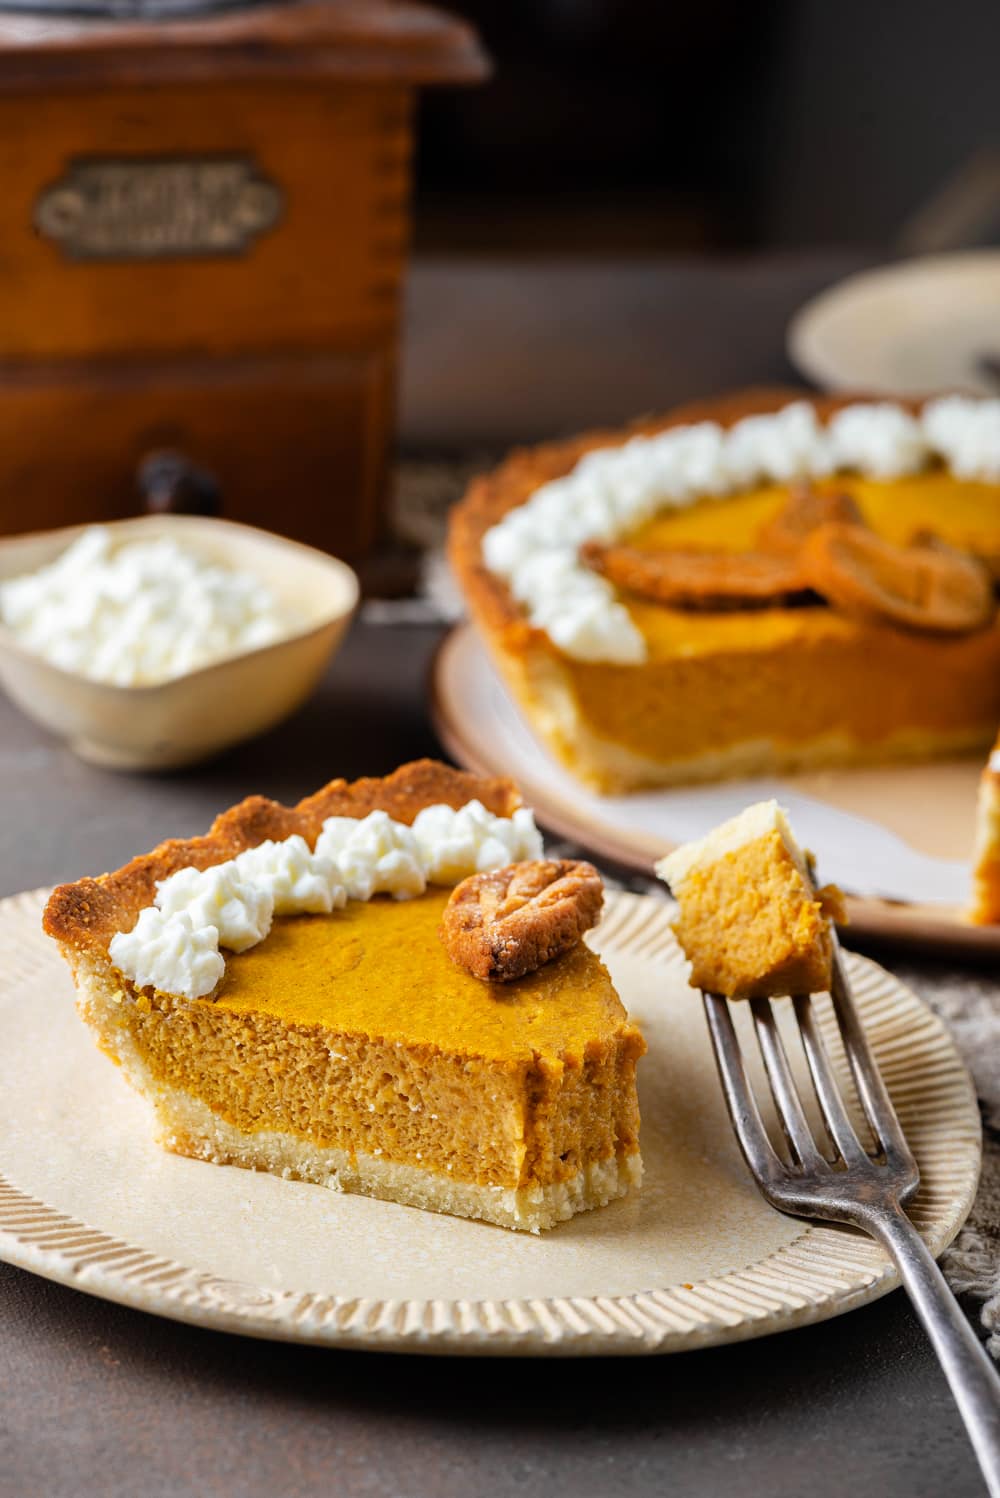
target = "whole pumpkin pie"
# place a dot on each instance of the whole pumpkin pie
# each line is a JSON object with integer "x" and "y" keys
{"x": 752, "y": 584}
{"x": 382, "y": 989}
{"x": 986, "y": 867}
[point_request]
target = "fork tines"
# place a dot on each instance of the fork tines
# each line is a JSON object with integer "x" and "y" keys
{"x": 852, "y": 1164}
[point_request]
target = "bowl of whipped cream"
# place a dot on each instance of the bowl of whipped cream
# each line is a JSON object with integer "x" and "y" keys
{"x": 156, "y": 642}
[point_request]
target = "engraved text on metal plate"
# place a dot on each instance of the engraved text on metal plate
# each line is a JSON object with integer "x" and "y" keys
{"x": 104, "y": 209}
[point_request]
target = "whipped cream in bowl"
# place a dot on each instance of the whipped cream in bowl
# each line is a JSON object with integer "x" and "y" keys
{"x": 140, "y": 612}
{"x": 155, "y": 642}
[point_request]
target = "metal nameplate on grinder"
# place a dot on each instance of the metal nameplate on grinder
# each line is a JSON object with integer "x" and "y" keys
{"x": 113, "y": 209}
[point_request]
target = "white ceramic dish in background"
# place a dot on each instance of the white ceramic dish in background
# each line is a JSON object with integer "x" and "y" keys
{"x": 696, "y": 1257}
{"x": 908, "y": 329}
{"x": 190, "y": 717}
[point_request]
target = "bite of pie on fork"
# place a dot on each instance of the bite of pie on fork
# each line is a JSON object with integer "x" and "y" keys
{"x": 755, "y": 927}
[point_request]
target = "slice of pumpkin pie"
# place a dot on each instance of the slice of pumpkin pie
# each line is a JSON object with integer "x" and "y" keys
{"x": 986, "y": 865}
{"x": 383, "y": 989}
{"x": 752, "y": 923}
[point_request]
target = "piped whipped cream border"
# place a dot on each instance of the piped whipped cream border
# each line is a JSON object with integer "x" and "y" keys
{"x": 613, "y": 490}
{"x": 174, "y": 945}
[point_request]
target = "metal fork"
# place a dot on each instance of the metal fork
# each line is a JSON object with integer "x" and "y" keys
{"x": 850, "y": 1183}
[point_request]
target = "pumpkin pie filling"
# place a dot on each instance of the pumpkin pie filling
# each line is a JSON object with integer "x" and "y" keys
{"x": 714, "y": 684}
{"x": 751, "y": 922}
{"x": 349, "y": 1049}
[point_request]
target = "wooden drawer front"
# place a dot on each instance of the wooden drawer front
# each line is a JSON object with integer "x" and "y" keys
{"x": 328, "y": 272}
{"x": 298, "y": 444}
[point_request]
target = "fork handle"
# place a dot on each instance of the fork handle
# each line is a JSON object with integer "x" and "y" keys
{"x": 967, "y": 1366}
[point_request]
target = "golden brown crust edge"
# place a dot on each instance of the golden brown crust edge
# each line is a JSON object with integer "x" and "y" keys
{"x": 87, "y": 913}
{"x": 491, "y": 495}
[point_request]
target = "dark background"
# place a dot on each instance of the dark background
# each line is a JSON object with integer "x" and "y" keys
{"x": 652, "y": 126}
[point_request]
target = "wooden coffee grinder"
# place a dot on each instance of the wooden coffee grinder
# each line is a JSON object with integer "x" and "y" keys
{"x": 203, "y": 232}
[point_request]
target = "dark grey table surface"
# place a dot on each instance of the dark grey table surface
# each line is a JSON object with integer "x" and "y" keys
{"x": 101, "y": 1402}
{"x": 97, "y": 1401}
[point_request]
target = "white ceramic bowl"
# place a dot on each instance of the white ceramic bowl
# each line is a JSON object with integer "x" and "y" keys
{"x": 190, "y": 717}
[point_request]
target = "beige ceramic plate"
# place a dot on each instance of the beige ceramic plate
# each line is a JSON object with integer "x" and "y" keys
{"x": 696, "y": 1258}
{"x": 896, "y": 838}
{"x": 908, "y": 329}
